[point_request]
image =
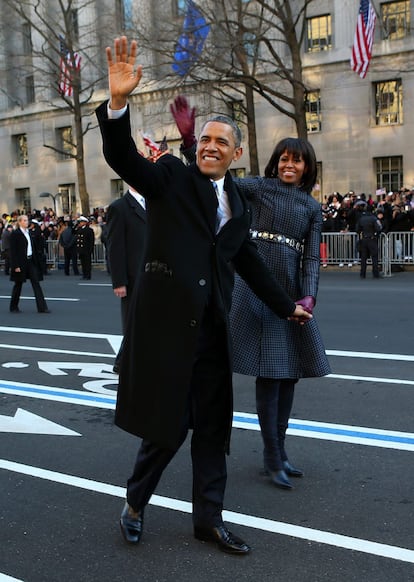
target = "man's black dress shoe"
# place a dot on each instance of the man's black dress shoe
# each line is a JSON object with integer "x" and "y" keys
{"x": 132, "y": 523}
{"x": 44, "y": 311}
{"x": 291, "y": 470}
{"x": 225, "y": 540}
{"x": 16, "y": 310}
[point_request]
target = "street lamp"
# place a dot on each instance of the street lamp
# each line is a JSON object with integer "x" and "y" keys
{"x": 49, "y": 195}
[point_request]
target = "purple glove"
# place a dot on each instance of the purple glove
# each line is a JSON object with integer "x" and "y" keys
{"x": 307, "y": 302}
{"x": 184, "y": 117}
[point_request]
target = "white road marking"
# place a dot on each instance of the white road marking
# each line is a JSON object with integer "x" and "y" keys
{"x": 263, "y": 524}
{"x": 303, "y": 428}
{"x": 70, "y": 299}
{"x": 371, "y": 355}
{"x": 4, "y": 578}
{"x": 25, "y": 422}
{"x": 56, "y": 351}
{"x": 372, "y": 379}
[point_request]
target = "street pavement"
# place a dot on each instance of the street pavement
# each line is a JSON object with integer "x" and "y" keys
{"x": 64, "y": 465}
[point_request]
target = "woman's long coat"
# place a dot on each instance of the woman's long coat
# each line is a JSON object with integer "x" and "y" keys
{"x": 186, "y": 267}
{"x": 263, "y": 344}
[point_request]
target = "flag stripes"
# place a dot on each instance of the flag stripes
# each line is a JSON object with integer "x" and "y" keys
{"x": 364, "y": 38}
{"x": 66, "y": 66}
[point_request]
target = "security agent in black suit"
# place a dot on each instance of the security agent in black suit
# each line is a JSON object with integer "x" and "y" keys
{"x": 176, "y": 370}
{"x": 67, "y": 241}
{"x": 24, "y": 264}
{"x": 368, "y": 227}
{"x": 126, "y": 227}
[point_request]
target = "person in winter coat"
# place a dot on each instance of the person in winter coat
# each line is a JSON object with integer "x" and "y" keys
{"x": 286, "y": 224}
{"x": 24, "y": 265}
{"x": 176, "y": 370}
{"x": 67, "y": 240}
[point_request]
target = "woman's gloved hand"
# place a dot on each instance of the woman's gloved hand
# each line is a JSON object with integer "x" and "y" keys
{"x": 184, "y": 117}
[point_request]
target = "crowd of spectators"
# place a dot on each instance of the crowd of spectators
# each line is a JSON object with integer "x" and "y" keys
{"x": 395, "y": 210}
{"x": 49, "y": 226}
{"x": 52, "y": 225}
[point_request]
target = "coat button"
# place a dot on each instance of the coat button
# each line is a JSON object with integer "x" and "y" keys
{"x": 202, "y": 282}
{"x": 193, "y": 323}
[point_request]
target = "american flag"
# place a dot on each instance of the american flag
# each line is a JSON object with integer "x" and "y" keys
{"x": 364, "y": 37}
{"x": 66, "y": 67}
{"x": 150, "y": 143}
{"x": 156, "y": 150}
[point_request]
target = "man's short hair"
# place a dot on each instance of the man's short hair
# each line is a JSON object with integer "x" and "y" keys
{"x": 228, "y": 121}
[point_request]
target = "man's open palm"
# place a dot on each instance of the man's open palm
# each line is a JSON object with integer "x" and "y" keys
{"x": 122, "y": 77}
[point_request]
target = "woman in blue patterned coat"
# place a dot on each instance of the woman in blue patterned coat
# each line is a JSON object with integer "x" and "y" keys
{"x": 286, "y": 224}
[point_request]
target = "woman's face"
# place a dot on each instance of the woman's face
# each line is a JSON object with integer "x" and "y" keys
{"x": 291, "y": 168}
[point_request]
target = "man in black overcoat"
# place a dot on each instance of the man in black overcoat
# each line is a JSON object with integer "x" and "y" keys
{"x": 85, "y": 240}
{"x": 126, "y": 227}
{"x": 67, "y": 241}
{"x": 25, "y": 264}
{"x": 368, "y": 228}
{"x": 176, "y": 369}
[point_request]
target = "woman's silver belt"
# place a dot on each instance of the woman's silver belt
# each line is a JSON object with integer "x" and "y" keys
{"x": 277, "y": 238}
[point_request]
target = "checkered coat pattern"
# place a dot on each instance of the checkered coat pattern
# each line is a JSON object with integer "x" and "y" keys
{"x": 265, "y": 345}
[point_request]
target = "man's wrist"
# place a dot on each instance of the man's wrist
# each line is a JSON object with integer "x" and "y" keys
{"x": 116, "y": 103}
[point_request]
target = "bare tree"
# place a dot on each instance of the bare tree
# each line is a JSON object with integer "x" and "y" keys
{"x": 253, "y": 48}
{"x": 51, "y": 30}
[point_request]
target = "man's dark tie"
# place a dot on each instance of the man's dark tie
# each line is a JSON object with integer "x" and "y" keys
{"x": 220, "y": 213}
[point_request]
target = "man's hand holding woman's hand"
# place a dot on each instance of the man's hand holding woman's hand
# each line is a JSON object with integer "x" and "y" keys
{"x": 300, "y": 315}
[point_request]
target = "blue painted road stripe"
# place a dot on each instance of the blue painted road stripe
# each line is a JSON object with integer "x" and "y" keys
{"x": 302, "y": 428}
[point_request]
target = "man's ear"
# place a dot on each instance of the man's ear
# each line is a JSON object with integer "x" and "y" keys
{"x": 237, "y": 154}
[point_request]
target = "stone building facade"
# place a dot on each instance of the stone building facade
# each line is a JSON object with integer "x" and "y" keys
{"x": 360, "y": 128}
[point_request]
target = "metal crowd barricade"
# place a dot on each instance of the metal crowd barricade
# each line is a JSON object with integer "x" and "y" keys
{"x": 395, "y": 249}
{"x": 337, "y": 249}
{"x": 54, "y": 254}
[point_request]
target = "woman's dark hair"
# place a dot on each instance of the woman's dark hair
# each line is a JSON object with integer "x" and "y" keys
{"x": 298, "y": 146}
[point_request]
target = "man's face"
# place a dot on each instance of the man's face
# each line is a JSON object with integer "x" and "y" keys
{"x": 216, "y": 149}
{"x": 23, "y": 221}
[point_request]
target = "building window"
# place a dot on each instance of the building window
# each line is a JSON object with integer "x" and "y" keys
{"x": 388, "y": 102}
{"x": 124, "y": 14}
{"x": 319, "y": 34}
{"x": 313, "y": 111}
{"x": 67, "y": 198}
{"x": 389, "y": 172}
{"x": 27, "y": 38}
{"x": 65, "y": 144}
{"x": 21, "y": 154}
{"x": 236, "y": 110}
{"x": 317, "y": 190}
{"x": 250, "y": 46}
{"x": 117, "y": 189}
{"x": 22, "y": 196}
{"x": 395, "y": 18}
{"x": 238, "y": 172}
{"x": 179, "y": 8}
{"x": 30, "y": 89}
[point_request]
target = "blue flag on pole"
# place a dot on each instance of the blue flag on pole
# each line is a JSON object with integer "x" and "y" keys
{"x": 191, "y": 41}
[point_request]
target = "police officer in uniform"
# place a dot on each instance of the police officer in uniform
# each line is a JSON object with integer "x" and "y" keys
{"x": 368, "y": 228}
{"x": 85, "y": 240}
